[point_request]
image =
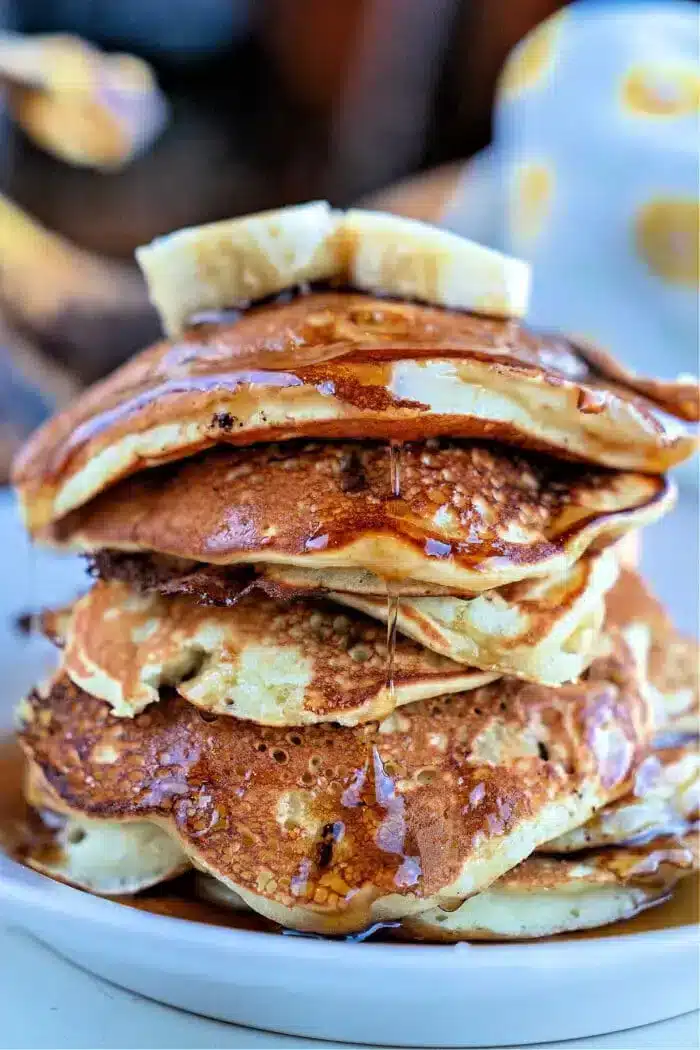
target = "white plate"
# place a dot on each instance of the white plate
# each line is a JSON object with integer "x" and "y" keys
{"x": 406, "y": 995}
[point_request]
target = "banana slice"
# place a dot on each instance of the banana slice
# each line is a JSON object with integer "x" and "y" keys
{"x": 226, "y": 263}
{"x": 414, "y": 260}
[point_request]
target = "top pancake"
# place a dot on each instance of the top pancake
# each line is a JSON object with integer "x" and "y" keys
{"x": 343, "y": 365}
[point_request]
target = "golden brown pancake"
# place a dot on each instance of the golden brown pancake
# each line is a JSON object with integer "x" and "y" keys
{"x": 101, "y": 856}
{"x": 672, "y": 659}
{"x": 107, "y": 857}
{"x": 680, "y": 396}
{"x": 226, "y": 584}
{"x": 542, "y": 629}
{"x": 294, "y": 663}
{"x": 664, "y": 800}
{"x": 337, "y": 365}
{"x": 540, "y": 897}
{"x": 332, "y": 830}
{"x": 550, "y": 895}
{"x": 468, "y": 517}
{"x": 303, "y": 662}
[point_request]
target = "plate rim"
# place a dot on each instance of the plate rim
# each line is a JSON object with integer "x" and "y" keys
{"x": 22, "y": 885}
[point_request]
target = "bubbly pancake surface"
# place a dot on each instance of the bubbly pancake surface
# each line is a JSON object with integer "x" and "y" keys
{"x": 333, "y": 830}
{"x": 339, "y": 365}
{"x": 543, "y": 895}
{"x": 293, "y": 663}
{"x": 541, "y": 629}
{"x": 467, "y": 517}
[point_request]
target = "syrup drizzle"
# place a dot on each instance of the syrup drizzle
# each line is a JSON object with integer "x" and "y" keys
{"x": 392, "y": 595}
{"x": 22, "y": 829}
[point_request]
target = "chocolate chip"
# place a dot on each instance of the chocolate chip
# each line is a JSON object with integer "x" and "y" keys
{"x": 224, "y": 421}
{"x": 330, "y": 834}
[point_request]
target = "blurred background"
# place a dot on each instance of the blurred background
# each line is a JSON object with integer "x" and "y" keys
{"x": 272, "y": 102}
{"x": 236, "y": 106}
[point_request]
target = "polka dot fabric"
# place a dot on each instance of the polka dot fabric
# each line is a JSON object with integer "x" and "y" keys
{"x": 593, "y": 177}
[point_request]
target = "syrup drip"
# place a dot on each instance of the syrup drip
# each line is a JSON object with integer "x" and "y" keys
{"x": 392, "y": 595}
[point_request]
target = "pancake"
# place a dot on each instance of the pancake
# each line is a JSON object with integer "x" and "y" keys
{"x": 340, "y": 366}
{"x": 675, "y": 685}
{"x": 544, "y": 630}
{"x": 332, "y": 831}
{"x": 108, "y": 858}
{"x": 629, "y": 550}
{"x": 211, "y": 889}
{"x": 284, "y": 664}
{"x": 664, "y": 801}
{"x": 105, "y": 857}
{"x": 225, "y": 584}
{"x": 547, "y": 895}
{"x": 468, "y": 517}
{"x": 672, "y": 659}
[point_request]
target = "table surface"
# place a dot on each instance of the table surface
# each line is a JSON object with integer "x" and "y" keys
{"x": 49, "y": 1004}
{"x": 46, "y": 1002}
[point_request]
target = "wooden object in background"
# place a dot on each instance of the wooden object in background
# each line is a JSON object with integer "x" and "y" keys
{"x": 423, "y": 197}
{"x": 88, "y": 311}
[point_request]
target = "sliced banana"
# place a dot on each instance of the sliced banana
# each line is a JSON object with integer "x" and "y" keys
{"x": 240, "y": 260}
{"x": 414, "y": 260}
{"x": 225, "y": 263}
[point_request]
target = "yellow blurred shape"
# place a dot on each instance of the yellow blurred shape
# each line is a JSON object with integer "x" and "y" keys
{"x": 42, "y": 275}
{"x": 655, "y": 92}
{"x": 666, "y": 234}
{"x": 532, "y": 58}
{"x": 84, "y": 106}
{"x": 532, "y": 200}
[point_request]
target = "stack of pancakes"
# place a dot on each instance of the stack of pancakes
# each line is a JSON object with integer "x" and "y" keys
{"x": 365, "y": 643}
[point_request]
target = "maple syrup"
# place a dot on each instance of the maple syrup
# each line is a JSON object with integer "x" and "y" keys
{"x": 392, "y": 595}
{"x": 21, "y": 829}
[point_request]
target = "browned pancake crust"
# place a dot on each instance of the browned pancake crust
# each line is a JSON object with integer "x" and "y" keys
{"x": 206, "y": 584}
{"x": 222, "y": 584}
{"x": 329, "y": 820}
{"x": 463, "y": 501}
{"x": 680, "y": 397}
{"x": 339, "y": 350}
